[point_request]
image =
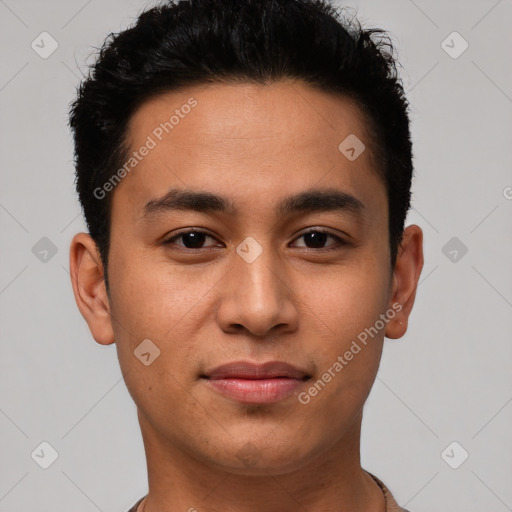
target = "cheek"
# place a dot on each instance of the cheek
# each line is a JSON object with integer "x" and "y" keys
{"x": 346, "y": 307}
{"x": 171, "y": 306}
{"x": 348, "y": 299}
{"x": 158, "y": 303}
{"x": 154, "y": 302}
{"x": 152, "y": 296}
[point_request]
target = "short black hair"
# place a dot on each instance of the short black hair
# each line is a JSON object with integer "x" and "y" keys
{"x": 191, "y": 42}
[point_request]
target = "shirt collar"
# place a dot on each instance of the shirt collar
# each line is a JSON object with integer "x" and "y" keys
{"x": 391, "y": 504}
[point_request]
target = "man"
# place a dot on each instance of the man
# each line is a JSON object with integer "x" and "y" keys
{"x": 244, "y": 168}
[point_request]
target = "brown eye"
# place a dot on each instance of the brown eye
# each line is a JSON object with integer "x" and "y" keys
{"x": 316, "y": 239}
{"x": 191, "y": 239}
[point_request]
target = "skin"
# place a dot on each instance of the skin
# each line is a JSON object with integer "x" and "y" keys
{"x": 253, "y": 144}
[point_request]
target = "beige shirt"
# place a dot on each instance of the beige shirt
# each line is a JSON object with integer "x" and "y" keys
{"x": 391, "y": 504}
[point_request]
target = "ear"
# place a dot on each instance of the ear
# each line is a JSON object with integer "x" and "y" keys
{"x": 406, "y": 274}
{"x": 87, "y": 278}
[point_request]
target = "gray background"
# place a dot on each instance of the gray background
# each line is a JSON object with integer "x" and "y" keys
{"x": 447, "y": 380}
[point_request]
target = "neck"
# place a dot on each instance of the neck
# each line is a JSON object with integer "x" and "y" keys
{"x": 331, "y": 481}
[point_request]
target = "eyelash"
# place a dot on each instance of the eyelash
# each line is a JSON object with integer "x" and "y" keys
{"x": 337, "y": 246}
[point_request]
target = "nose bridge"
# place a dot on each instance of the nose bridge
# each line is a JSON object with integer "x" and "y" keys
{"x": 257, "y": 266}
{"x": 258, "y": 299}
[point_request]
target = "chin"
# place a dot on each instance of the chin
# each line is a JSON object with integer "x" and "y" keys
{"x": 255, "y": 458}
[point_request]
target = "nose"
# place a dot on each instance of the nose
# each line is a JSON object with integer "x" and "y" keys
{"x": 257, "y": 296}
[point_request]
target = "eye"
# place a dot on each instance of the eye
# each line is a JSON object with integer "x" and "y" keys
{"x": 316, "y": 238}
{"x": 191, "y": 239}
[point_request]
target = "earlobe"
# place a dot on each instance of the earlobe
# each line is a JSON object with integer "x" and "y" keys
{"x": 408, "y": 266}
{"x": 87, "y": 279}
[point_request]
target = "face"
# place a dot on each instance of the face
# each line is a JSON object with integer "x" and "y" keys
{"x": 278, "y": 253}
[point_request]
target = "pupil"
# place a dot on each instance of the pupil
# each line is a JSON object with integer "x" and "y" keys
{"x": 193, "y": 240}
{"x": 317, "y": 238}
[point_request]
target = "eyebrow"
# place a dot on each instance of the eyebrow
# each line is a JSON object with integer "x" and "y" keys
{"x": 312, "y": 200}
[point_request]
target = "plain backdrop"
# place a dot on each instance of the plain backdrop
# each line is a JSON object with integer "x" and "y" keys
{"x": 443, "y": 392}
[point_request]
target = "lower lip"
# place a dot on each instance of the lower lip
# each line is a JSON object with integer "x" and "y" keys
{"x": 256, "y": 391}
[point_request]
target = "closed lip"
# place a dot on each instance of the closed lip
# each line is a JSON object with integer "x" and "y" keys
{"x": 255, "y": 371}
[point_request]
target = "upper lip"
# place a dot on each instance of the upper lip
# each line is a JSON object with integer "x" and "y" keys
{"x": 248, "y": 370}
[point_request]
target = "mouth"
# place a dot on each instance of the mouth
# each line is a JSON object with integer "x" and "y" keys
{"x": 251, "y": 383}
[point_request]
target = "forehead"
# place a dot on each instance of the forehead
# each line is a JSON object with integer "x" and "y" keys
{"x": 248, "y": 141}
{"x": 226, "y": 112}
